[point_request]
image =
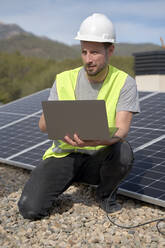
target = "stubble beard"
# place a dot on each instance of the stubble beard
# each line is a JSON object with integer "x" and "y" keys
{"x": 95, "y": 73}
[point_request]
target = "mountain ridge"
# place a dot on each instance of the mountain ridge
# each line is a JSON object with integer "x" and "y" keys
{"x": 13, "y": 38}
{"x": 9, "y": 30}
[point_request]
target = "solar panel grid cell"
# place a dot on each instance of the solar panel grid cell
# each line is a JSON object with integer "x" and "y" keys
{"x": 6, "y": 118}
{"x": 33, "y": 156}
{"x": 151, "y": 115}
{"x": 144, "y": 93}
{"x": 139, "y": 136}
{"x": 27, "y": 105}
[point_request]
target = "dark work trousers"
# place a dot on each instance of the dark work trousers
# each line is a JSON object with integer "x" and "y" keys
{"x": 106, "y": 169}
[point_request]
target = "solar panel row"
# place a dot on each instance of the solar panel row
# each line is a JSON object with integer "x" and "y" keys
{"x": 22, "y": 144}
{"x": 147, "y": 178}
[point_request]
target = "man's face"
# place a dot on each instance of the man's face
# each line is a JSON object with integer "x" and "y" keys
{"x": 95, "y": 57}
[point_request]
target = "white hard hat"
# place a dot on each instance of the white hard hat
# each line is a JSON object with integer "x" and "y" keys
{"x": 98, "y": 28}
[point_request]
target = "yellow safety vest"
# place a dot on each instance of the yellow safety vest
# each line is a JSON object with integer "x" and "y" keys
{"x": 109, "y": 92}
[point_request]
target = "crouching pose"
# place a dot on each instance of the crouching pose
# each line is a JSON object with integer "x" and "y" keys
{"x": 104, "y": 163}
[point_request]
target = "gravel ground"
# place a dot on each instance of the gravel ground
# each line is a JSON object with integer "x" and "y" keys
{"x": 77, "y": 221}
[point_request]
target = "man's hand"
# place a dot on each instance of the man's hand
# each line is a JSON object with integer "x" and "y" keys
{"x": 76, "y": 141}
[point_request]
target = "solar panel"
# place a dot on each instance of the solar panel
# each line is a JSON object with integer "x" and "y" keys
{"x": 19, "y": 130}
{"x": 22, "y": 144}
{"x": 26, "y": 105}
{"x": 147, "y": 178}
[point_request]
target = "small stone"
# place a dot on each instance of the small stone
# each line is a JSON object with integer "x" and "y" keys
{"x": 131, "y": 232}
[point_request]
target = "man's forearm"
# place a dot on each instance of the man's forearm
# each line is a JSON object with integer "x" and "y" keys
{"x": 118, "y": 136}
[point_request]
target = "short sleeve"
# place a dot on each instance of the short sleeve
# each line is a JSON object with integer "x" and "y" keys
{"x": 53, "y": 93}
{"x": 129, "y": 99}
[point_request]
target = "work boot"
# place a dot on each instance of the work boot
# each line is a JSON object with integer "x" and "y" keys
{"x": 109, "y": 204}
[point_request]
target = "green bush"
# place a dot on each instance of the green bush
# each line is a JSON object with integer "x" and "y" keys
{"x": 21, "y": 76}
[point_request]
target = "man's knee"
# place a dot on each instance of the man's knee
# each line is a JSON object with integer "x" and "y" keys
{"x": 119, "y": 152}
{"x": 28, "y": 210}
{"x": 126, "y": 154}
{"x": 122, "y": 156}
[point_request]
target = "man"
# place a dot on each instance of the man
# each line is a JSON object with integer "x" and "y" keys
{"x": 104, "y": 163}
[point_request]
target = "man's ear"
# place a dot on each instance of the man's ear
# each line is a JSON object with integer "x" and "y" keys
{"x": 111, "y": 50}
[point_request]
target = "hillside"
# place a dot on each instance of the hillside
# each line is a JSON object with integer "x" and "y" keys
{"x": 14, "y": 38}
{"x": 9, "y": 30}
{"x": 128, "y": 49}
{"x": 30, "y": 45}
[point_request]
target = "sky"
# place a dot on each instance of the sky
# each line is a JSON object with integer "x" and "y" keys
{"x": 135, "y": 21}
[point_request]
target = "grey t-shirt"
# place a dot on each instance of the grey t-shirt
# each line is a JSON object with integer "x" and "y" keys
{"x": 128, "y": 99}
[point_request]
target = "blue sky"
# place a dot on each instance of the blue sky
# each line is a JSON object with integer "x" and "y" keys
{"x": 136, "y": 21}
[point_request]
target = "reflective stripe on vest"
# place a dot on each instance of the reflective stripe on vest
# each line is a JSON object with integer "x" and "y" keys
{"x": 109, "y": 92}
{"x": 57, "y": 149}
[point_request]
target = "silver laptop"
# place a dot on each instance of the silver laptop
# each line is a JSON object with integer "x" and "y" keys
{"x": 87, "y": 118}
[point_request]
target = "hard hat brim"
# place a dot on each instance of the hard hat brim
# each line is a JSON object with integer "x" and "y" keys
{"x": 94, "y": 39}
